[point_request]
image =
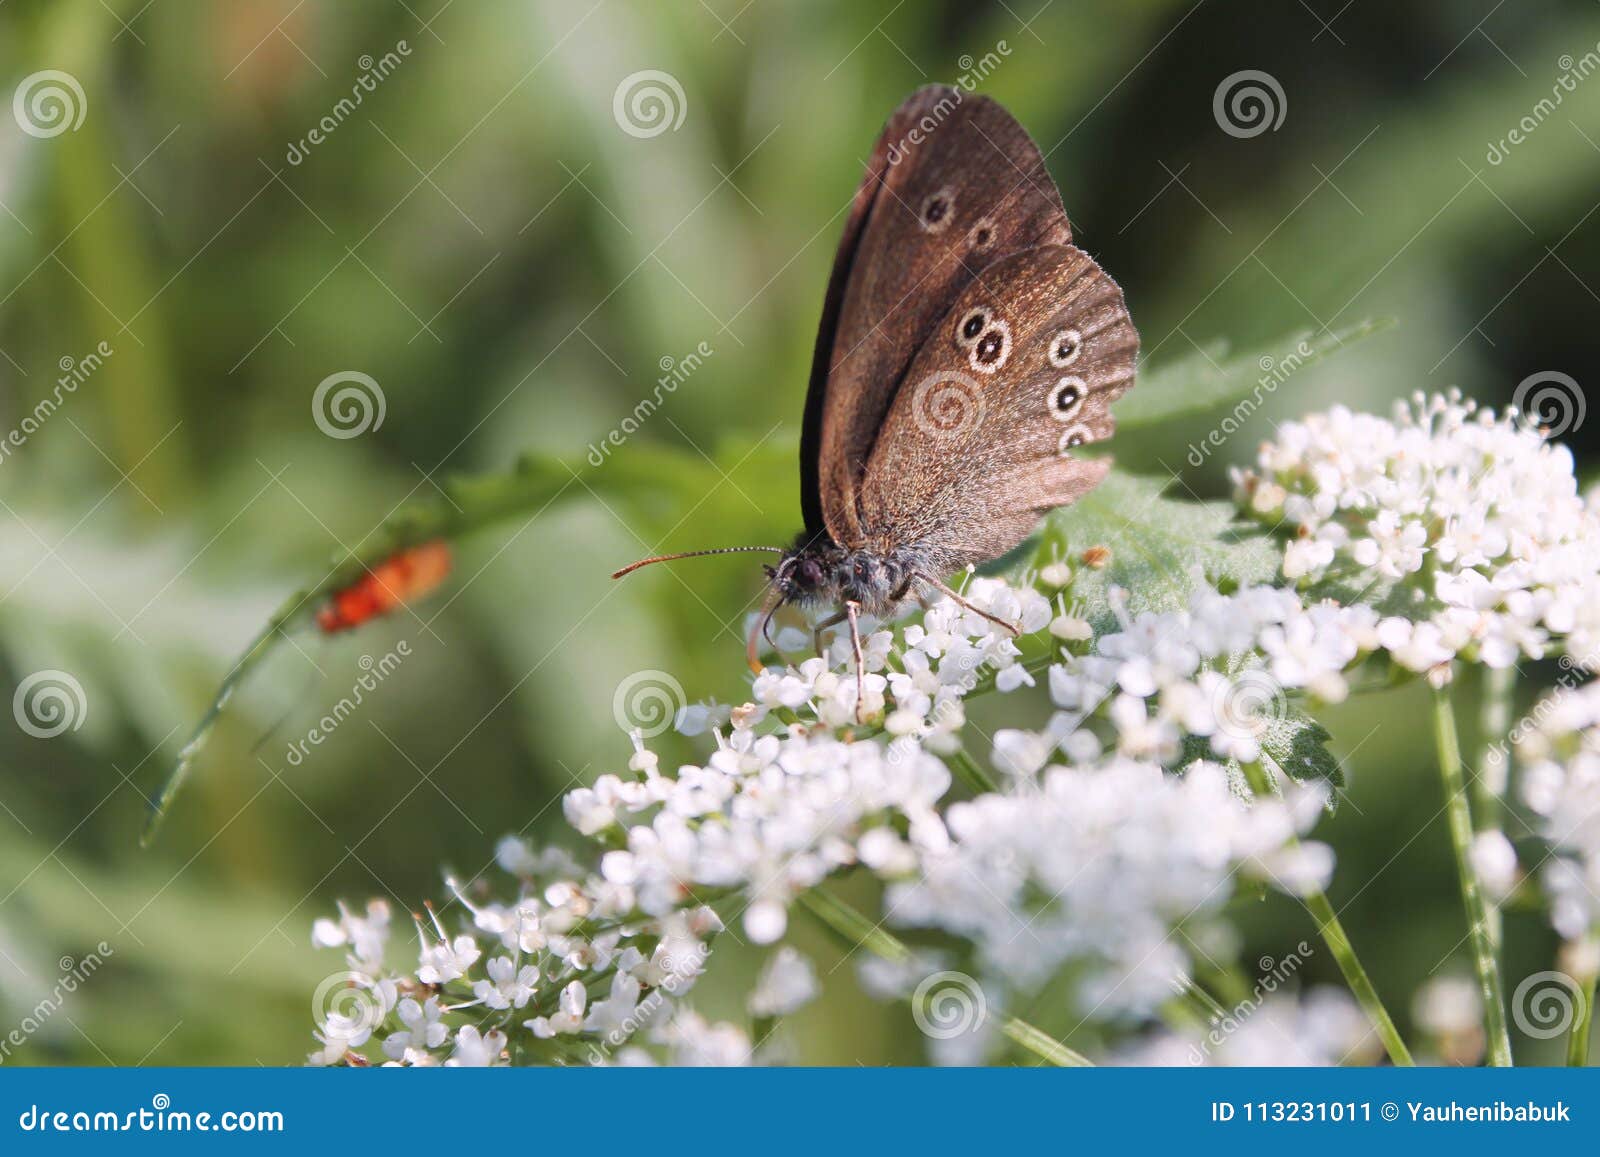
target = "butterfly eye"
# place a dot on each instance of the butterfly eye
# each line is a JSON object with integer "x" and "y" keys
{"x": 1066, "y": 399}
{"x": 992, "y": 348}
{"x": 969, "y": 327}
{"x": 936, "y": 211}
{"x": 1065, "y": 348}
{"x": 1073, "y": 437}
{"x": 982, "y": 235}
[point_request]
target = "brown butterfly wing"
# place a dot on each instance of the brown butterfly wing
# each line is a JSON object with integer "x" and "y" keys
{"x": 983, "y": 434}
{"x": 953, "y": 185}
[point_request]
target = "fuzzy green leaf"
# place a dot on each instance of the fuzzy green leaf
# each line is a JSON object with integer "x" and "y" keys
{"x": 1148, "y": 544}
{"x": 1298, "y": 745}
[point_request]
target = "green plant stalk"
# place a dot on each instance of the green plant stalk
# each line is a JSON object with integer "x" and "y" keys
{"x": 856, "y": 931}
{"x": 971, "y": 773}
{"x": 1344, "y": 953}
{"x": 1488, "y": 790}
{"x": 1578, "y": 1042}
{"x": 1459, "y": 816}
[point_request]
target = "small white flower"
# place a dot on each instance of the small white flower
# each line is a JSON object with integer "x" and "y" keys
{"x": 448, "y": 960}
{"x": 787, "y": 984}
{"x": 475, "y": 1050}
{"x": 507, "y": 986}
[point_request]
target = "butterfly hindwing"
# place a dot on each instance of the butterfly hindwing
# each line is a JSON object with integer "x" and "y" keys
{"x": 983, "y": 434}
{"x": 954, "y": 185}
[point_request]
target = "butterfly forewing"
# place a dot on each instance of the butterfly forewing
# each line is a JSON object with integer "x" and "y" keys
{"x": 954, "y": 185}
{"x": 983, "y": 434}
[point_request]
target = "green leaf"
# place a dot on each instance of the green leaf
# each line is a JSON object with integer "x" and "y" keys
{"x": 1149, "y": 544}
{"x": 1298, "y": 745}
{"x": 1202, "y": 380}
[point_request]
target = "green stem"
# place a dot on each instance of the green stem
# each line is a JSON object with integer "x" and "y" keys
{"x": 857, "y": 931}
{"x": 853, "y": 927}
{"x": 1494, "y": 719}
{"x": 1494, "y": 765}
{"x": 971, "y": 773}
{"x": 1344, "y": 953}
{"x": 1333, "y": 934}
{"x": 1578, "y": 1042}
{"x": 1459, "y": 815}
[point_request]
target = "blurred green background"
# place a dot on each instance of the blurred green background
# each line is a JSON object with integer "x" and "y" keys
{"x": 482, "y": 237}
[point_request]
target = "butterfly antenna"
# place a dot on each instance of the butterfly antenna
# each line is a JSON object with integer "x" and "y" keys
{"x": 631, "y": 567}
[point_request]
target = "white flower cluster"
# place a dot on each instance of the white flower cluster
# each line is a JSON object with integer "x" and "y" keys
{"x": 937, "y": 663}
{"x": 1096, "y": 867}
{"x": 1476, "y": 519}
{"x": 768, "y": 816}
{"x": 566, "y": 972}
{"x": 1560, "y": 782}
{"x": 1091, "y": 864}
{"x": 1220, "y": 669}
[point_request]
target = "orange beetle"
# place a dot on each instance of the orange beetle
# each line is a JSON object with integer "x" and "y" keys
{"x": 403, "y": 577}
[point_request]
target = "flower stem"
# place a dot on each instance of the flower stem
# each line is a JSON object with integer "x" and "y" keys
{"x": 1459, "y": 815}
{"x": 1494, "y": 764}
{"x": 857, "y": 931}
{"x": 971, "y": 773}
{"x": 1344, "y": 953}
{"x": 1578, "y": 1042}
{"x": 1356, "y": 976}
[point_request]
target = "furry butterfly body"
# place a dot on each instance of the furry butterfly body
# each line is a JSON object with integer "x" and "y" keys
{"x": 967, "y": 349}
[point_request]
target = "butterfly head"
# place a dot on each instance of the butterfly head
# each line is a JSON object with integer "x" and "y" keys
{"x": 817, "y": 571}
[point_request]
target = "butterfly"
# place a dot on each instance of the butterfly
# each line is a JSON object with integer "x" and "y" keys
{"x": 967, "y": 350}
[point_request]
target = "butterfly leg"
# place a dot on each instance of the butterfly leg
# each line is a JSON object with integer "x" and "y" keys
{"x": 816, "y": 634}
{"x": 852, "y": 612}
{"x": 1014, "y": 628}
